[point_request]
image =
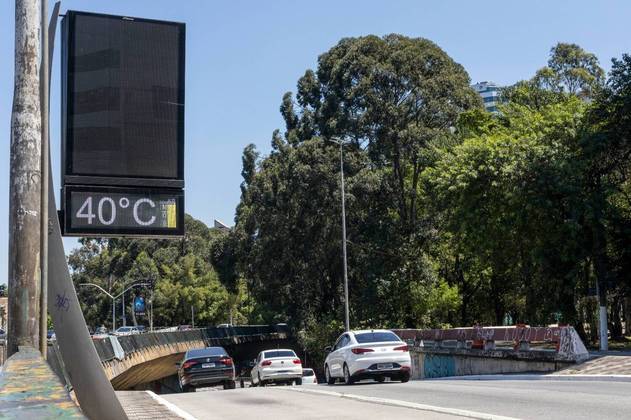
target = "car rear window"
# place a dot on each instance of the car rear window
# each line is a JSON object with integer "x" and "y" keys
{"x": 210, "y": 351}
{"x": 279, "y": 353}
{"x": 376, "y": 337}
{"x": 307, "y": 372}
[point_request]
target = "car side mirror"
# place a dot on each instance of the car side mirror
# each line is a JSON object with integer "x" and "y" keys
{"x": 328, "y": 349}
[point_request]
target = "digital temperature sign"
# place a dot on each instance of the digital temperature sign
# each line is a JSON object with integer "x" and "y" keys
{"x": 111, "y": 211}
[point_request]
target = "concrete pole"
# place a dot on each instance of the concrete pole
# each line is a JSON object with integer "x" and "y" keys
{"x": 25, "y": 182}
{"x": 44, "y": 89}
{"x": 346, "y": 310}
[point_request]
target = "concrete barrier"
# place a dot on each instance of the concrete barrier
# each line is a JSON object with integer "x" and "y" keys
{"x": 479, "y": 351}
{"x": 136, "y": 360}
{"x": 30, "y": 390}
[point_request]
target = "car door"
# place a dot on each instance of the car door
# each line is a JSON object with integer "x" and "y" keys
{"x": 331, "y": 362}
{"x": 338, "y": 356}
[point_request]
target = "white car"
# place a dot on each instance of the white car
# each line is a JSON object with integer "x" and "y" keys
{"x": 309, "y": 377}
{"x": 367, "y": 354}
{"x": 276, "y": 366}
{"x": 127, "y": 331}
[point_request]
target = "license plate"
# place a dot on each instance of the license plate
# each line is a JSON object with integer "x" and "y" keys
{"x": 382, "y": 366}
{"x": 208, "y": 365}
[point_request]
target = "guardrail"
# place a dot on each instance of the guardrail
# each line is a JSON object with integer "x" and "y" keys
{"x": 564, "y": 339}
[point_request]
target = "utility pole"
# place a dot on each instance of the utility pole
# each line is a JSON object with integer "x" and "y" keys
{"x": 25, "y": 182}
{"x": 346, "y": 303}
{"x": 44, "y": 95}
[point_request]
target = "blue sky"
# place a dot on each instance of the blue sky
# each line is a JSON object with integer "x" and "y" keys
{"x": 243, "y": 55}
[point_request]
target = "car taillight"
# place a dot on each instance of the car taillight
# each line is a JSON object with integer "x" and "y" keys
{"x": 297, "y": 362}
{"x": 266, "y": 362}
{"x": 359, "y": 350}
{"x": 188, "y": 364}
{"x": 402, "y": 348}
{"x": 226, "y": 361}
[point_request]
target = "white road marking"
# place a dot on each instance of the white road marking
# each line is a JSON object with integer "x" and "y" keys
{"x": 172, "y": 407}
{"x": 537, "y": 377}
{"x": 404, "y": 404}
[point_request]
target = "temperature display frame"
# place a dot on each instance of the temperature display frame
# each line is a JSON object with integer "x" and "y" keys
{"x": 98, "y": 211}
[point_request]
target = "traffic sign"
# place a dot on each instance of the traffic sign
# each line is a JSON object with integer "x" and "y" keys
{"x": 113, "y": 211}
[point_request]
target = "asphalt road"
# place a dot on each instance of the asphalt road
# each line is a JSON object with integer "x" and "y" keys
{"x": 524, "y": 399}
{"x": 279, "y": 403}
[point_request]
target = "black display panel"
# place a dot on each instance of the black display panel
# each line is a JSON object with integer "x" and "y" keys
{"x": 123, "y": 100}
{"x": 112, "y": 211}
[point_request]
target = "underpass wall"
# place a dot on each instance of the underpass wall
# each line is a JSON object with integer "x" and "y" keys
{"x": 440, "y": 363}
{"x": 145, "y": 360}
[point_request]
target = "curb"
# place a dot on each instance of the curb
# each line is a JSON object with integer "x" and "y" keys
{"x": 172, "y": 407}
{"x": 403, "y": 404}
{"x": 538, "y": 377}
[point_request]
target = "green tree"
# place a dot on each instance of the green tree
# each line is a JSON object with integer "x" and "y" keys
{"x": 393, "y": 99}
{"x": 506, "y": 197}
{"x": 180, "y": 271}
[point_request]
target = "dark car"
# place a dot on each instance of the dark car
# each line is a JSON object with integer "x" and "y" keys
{"x": 206, "y": 367}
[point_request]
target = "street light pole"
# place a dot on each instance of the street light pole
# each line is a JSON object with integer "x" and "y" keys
{"x": 113, "y": 297}
{"x": 124, "y": 318}
{"x": 346, "y": 300}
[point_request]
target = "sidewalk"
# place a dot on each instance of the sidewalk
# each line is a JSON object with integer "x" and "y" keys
{"x": 601, "y": 365}
{"x": 139, "y": 405}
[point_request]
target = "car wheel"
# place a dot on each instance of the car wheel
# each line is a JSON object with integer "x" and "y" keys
{"x": 229, "y": 385}
{"x": 405, "y": 376}
{"x": 348, "y": 379}
{"x": 187, "y": 388}
{"x": 298, "y": 381}
{"x": 380, "y": 379}
{"x": 329, "y": 379}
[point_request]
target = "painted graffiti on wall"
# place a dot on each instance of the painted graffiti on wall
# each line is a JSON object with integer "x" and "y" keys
{"x": 439, "y": 366}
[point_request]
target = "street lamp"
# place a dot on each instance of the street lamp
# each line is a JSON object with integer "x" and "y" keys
{"x": 346, "y": 311}
{"x": 113, "y": 298}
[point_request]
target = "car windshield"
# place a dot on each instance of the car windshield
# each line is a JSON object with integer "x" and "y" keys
{"x": 124, "y": 329}
{"x": 210, "y": 351}
{"x": 307, "y": 372}
{"x": 279, "y": 353}
{"x": 376, "y": 337}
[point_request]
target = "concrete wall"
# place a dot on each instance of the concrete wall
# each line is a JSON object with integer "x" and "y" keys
{"x": 30, "y": 390}
{"x": 439, "y": 363}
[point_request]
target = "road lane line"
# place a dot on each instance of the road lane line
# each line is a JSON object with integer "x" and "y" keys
{"x": 172, "y": 407}
{"x": 537, "y": 377}
{"x": 404, "y": 404}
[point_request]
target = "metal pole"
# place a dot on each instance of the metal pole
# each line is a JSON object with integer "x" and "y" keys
{"x": 192, "y": 316}
{"x": 25, "y": 182}
{"x": 44, "y": 95}
{"x": 346, "y": 311}
{"x": 113, "y": 314}
{"x": 124, "y": 320}
{"x": 92, "y": 388}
